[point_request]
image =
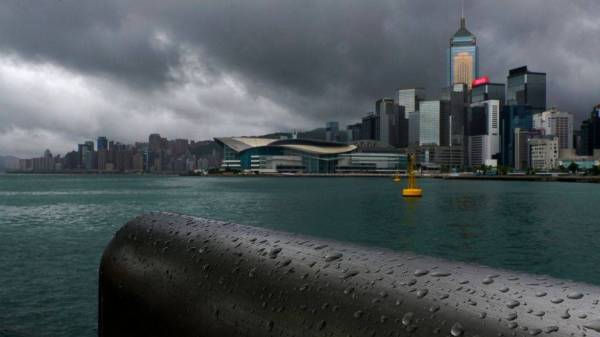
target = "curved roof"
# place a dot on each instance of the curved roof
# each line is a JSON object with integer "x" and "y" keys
{"x": 240, "y": 144}
{"x": 318, "y": 147}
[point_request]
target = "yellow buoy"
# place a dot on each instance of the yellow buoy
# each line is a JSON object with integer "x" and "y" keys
{"x": 412, "y": 190}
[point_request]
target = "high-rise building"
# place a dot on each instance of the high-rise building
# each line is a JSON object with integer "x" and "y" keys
{"x": 414, "y": 124}
{"x": 410, "y": 98}
{"x": 429, "y": 123}
{"x": 595, "y": 130}
{"x": 511, "y": 118}
{"x": 102, "y": 159}
{"x": 370, "y": 127}
{"x": 87, "y": 158}
{"x": 332, "y": 130}
{"x": 457, "y": 96}
{"x": 544, "y": 152}
{"x": 155, "y": 142}
{"x": 463, "y": 62}
{"x": 102, "y": 143}
{"x": 522, "y": 156}
{"x": 526, "y": 88}
{"x": 398, "y": 124}
{"x": 354, "y": 132}
{"x": 590, "y": 133}
{"x": 483, "y": 90}
{"x": 556, "y": 123}
{"x": 483, "y": 124}
{"x": 384, "y": 107}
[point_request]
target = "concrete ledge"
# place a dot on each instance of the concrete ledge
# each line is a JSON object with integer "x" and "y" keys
{"x": 173, "y": 275}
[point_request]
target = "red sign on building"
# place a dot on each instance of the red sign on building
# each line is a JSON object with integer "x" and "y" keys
{"x": 480, "y": 81}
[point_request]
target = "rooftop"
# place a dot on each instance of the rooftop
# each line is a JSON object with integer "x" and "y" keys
{"x": 318, "y": 147}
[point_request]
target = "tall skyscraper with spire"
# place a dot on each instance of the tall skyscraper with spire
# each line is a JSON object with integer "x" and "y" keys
{"x": 463, "y": 58}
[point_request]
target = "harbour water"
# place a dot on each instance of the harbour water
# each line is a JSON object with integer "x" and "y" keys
{"x": 53, "y": 229}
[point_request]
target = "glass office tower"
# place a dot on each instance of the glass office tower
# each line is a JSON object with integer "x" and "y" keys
{"x": 526, "y": 88}
{"x": 463, "y": 58}
{"x": 410, "y": 98}
{"x": 429, "y": 122}
{"x": 513, "y": 117}
{"x": 488, "y": 91}
{"x": 384, "y": 107}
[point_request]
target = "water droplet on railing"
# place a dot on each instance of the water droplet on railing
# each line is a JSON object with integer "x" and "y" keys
{"x": 321, "y": 325}
{"x": 535, "y": 332}
{"x": 440, "y": 274}
{"x": 332, "y": 257}
{"x": 422, "y": 293}
{"x": 457, "y": 330}
{"x": 407, "y": 318}
{"x": 349, "y": 274}
{"x": 274, "y": 252}
{"x": 421, "y": 272}
{"x": 575, "y": 295}
{"x": 513, "y": 304}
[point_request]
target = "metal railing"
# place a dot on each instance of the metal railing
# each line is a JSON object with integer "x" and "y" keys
{"x": 172, "y": 275}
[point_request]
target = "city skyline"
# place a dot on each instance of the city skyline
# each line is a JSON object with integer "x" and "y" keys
{"x": 193, "y": 87}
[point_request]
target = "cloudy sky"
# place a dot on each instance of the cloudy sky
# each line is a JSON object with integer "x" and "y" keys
{"x": 71, "y": 70}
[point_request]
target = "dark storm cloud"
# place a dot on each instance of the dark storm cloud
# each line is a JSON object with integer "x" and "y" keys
{"x": 290, "y": 63}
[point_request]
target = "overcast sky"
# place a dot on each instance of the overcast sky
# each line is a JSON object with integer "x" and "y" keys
{"x": 71, "y": 70}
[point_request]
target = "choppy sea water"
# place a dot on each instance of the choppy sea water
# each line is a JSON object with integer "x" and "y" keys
{"x": 53, "y": 229}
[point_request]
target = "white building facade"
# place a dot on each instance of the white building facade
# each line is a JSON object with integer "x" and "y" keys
{"x": 544, "y": 153}
{"x": 484, "y": 142}
{"x": 556, "y": 123}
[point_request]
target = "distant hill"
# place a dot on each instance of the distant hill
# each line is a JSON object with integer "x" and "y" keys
{"x": 8, "y": 163}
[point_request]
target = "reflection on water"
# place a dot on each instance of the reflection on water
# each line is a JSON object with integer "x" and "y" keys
{"x": 53, "y": 228}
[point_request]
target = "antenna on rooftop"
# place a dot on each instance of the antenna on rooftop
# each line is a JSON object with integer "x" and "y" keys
{"x": 462, "y": 8}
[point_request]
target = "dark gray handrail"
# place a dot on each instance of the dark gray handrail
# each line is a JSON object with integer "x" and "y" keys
{"x": 171, "y": 275}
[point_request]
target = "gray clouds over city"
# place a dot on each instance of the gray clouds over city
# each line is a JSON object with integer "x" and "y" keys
{"x": 71, "y": 70}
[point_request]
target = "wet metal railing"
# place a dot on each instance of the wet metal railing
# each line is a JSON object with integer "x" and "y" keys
{"x": 173, "y": 275}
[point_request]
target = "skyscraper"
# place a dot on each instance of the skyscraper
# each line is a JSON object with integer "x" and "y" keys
{"x": 513, "y": 117}
{"x": 354, "y": 132}
{"x": 102, "y": 143}
{"x": 484, "y": 132}
{"x": 398, "y": 127}
{"x": 383, "y": 108}
{"x": 463, "y": 58}
{"x": 556, "y": 123}
{"x": 332, "y": 130}
{"x": 483, "y": 90}
{"x": 590, "y": 133}
{"x": 370, "y": 127}
{"x": 410, "y": 98}
{"x": 524, "y": 87}
{"x": 429, "y": 122}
